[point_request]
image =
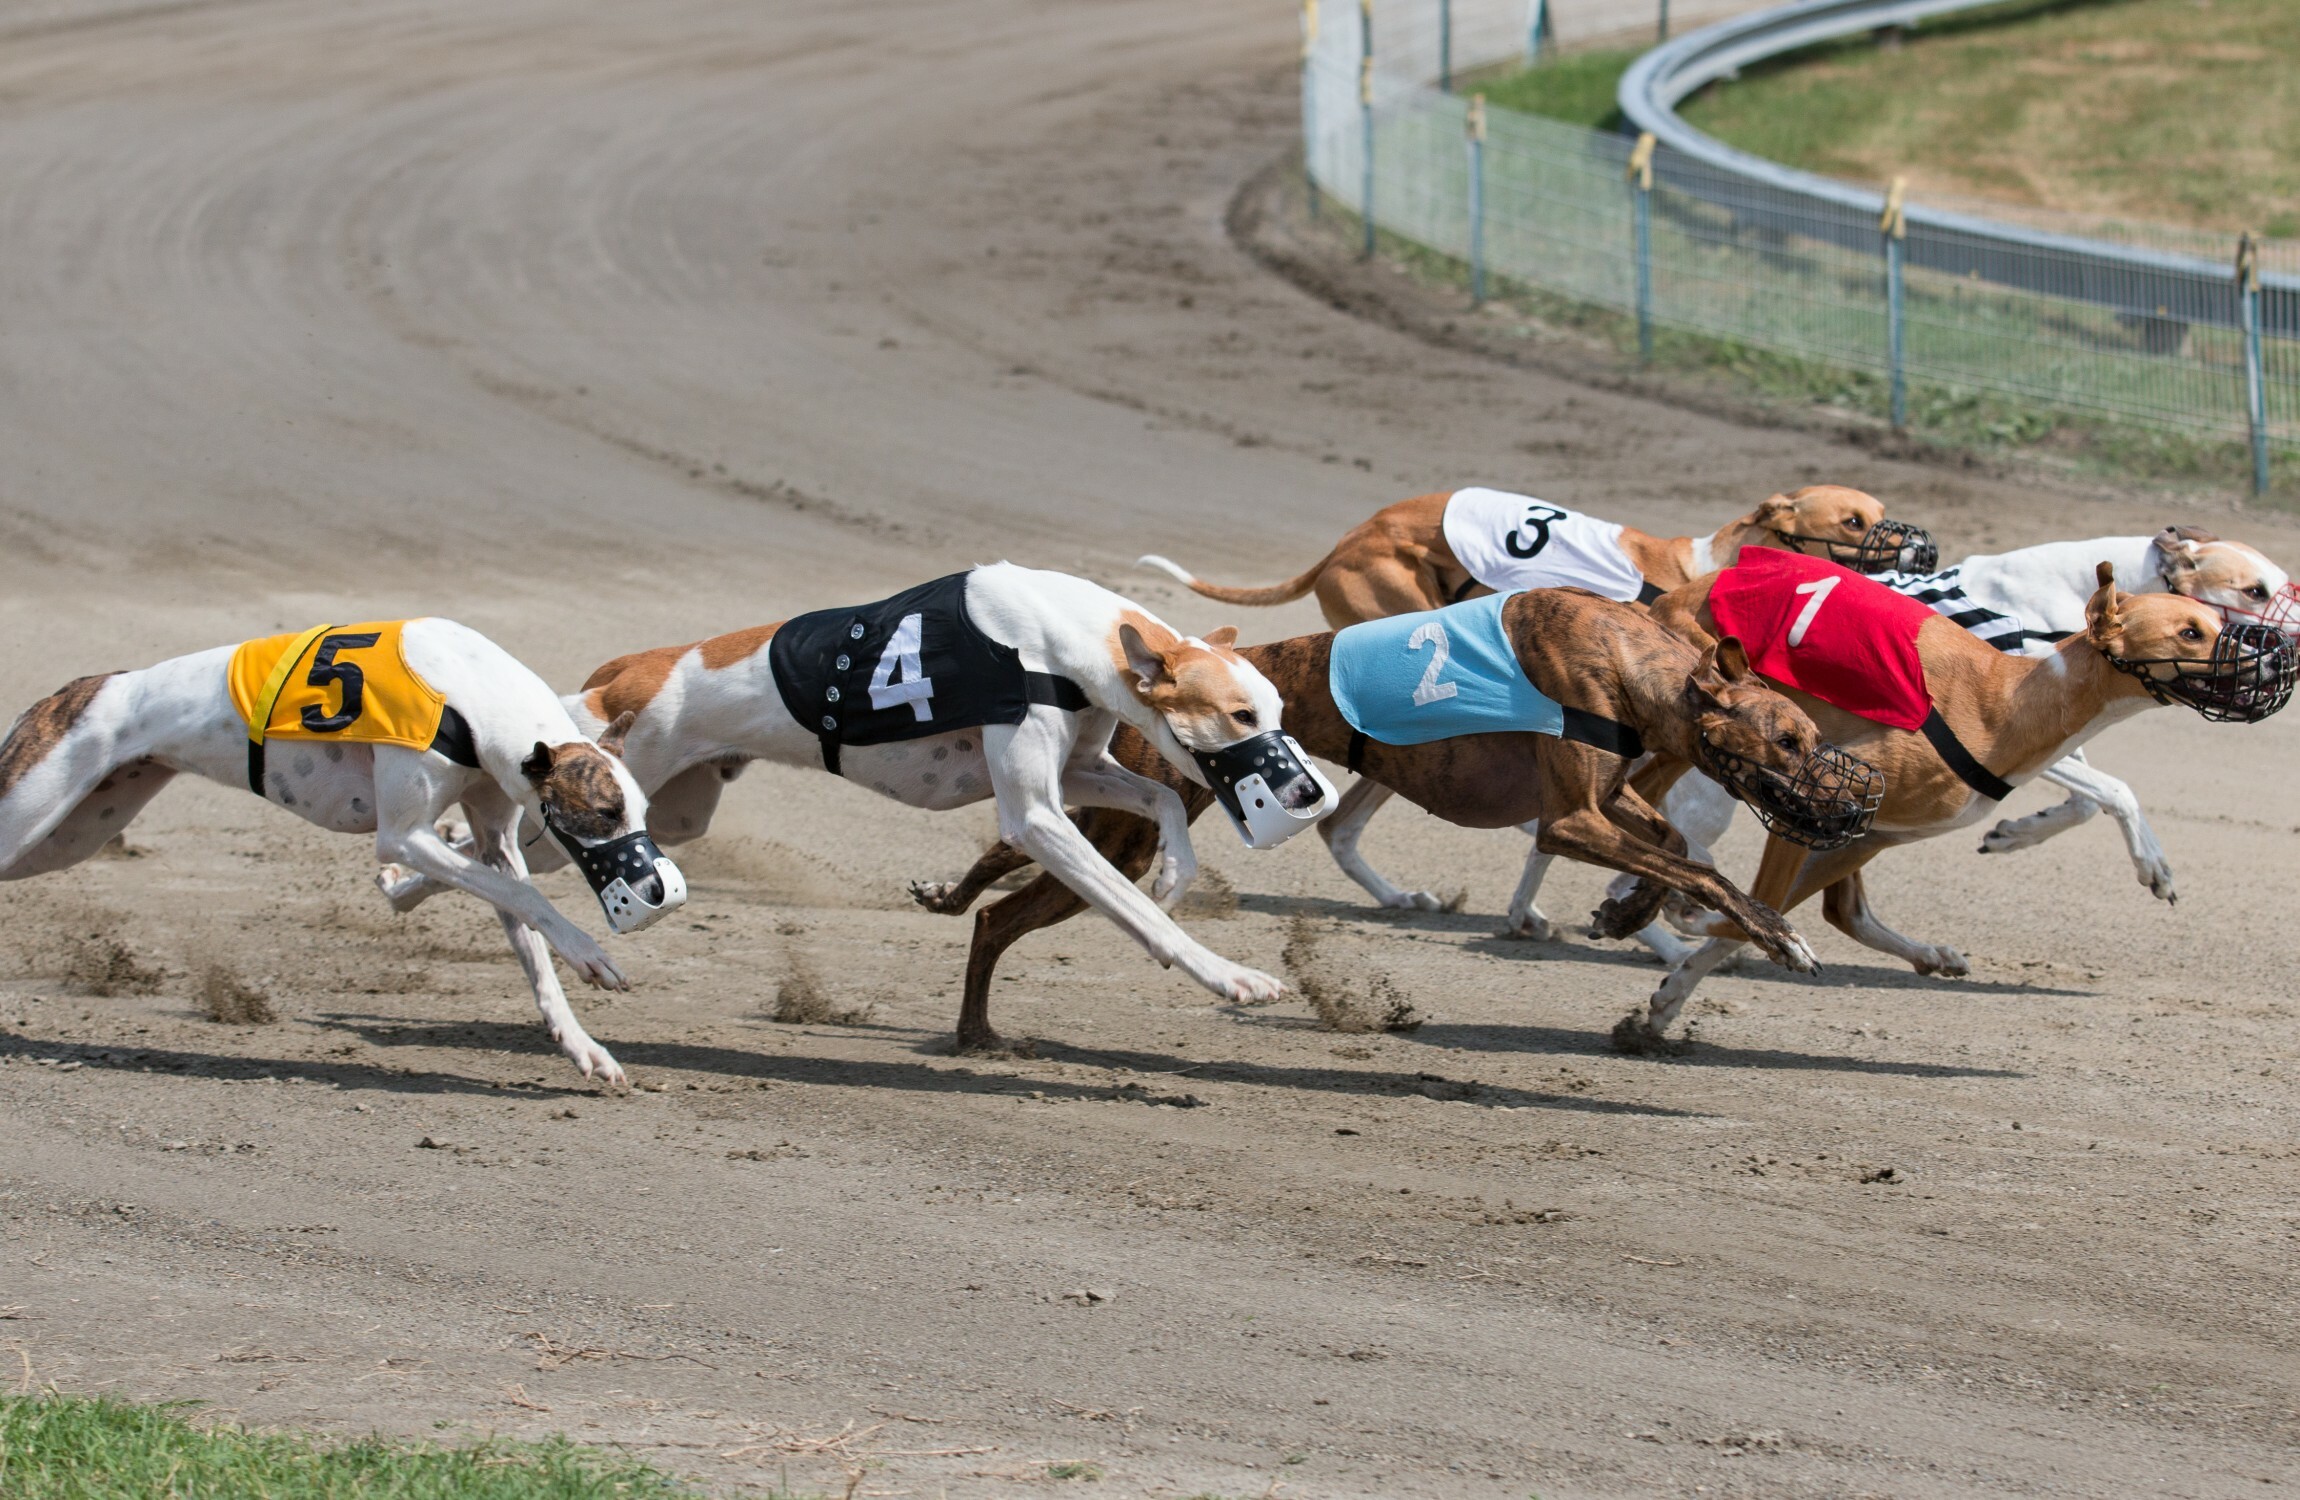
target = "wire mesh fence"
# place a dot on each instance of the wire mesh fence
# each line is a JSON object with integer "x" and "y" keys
{"x": 1965, "y": 328}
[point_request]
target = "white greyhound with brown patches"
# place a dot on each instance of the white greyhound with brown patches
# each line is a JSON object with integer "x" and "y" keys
{"x": 393, "y": 724}
{"x": 1002, "y": 682}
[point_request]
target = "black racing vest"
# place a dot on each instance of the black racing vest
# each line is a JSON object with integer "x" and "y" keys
{"x": 904, "y": 668}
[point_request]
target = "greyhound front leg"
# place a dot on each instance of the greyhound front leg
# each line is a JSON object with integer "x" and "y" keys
{"x": 1635, "y": 1032}
{"x": 408, "y": 794}
{"x": 1026, "y": 770}
{"x": 1341, "y": 831}
{"x": 1109, "y": 784}
{"x": 494, "y": 829}
{"x": 1846, "y": 905}
{"x": 1525, "y": 919}
{"x": 2099, "y": 789}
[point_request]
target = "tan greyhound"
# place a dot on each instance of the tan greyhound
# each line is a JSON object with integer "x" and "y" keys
{"x": 2008, "y": 718}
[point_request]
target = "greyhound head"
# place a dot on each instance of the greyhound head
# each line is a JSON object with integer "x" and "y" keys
{"x": 1215, "y": 717}
{"x": 1847, "y": 526}
{"x": 2231, "y": 577}
{"x": 1765, "y": 750}
{"x": 2181, "y": 650}
{"x": 591, "y": 804}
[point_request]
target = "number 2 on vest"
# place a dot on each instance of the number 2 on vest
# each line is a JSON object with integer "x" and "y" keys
{"x": 914, "y": 687}
{"x": 1820, "y": 589}
{"x": 1429, "y": 690}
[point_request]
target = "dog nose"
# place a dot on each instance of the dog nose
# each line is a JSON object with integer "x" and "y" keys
{"x": 650, "y": 889}
{"x": 1299, "y": 793}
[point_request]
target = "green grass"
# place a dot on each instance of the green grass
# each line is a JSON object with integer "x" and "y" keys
{"x": 1576, "y": 87}
{"x": 77, "y": 1448}
{"x": 2162, "y": 110}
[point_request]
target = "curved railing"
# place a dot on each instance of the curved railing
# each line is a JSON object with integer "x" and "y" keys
{"x": 1971, "y": 322}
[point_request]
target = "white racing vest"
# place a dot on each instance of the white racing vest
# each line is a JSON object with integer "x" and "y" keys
{"x": 1509, "y": 542}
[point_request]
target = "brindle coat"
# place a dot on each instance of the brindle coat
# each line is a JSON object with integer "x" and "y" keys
{"x": 1606, "y": 658}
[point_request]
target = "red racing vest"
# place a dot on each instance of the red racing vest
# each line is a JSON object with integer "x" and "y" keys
{"x": 1828, "y": 631}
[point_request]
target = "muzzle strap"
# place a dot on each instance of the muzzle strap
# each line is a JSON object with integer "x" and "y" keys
{"x": 1957, "y": 758}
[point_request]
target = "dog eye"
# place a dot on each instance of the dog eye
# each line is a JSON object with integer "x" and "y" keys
{"x": 1787, "y": 742}
{"x": 2191, "y": 633}
{"x": 2258, "y": 591}
{"x": 1853, "y": 523}
{"x": 1246, "y": 716}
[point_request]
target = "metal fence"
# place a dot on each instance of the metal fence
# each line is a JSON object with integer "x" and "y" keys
{"x": 1960, "y": 321}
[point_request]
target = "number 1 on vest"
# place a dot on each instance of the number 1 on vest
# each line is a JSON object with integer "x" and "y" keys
{"x": 1820, "y": 589}
{"x": 915, "y": 687}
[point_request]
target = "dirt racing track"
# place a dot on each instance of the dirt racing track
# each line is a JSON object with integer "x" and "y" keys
{"x": 603, "y": 326}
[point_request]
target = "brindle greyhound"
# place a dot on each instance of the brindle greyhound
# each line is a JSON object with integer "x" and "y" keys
{"x": 1605, "y": 658}
{"x": 2014, "y": 715}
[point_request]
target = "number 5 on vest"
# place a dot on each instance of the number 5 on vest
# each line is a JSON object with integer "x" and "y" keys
{"x": 1820, "y": 589}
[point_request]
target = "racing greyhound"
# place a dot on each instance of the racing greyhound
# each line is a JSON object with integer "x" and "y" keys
{"x": 1954, "y": 724}
{"x": 391, "y": 725}
{"x": 1438, "y": 549}
{"x": 2024, "y": 602}
{"x": 1625, "y": 683}
{"x": 1002, "y": 682}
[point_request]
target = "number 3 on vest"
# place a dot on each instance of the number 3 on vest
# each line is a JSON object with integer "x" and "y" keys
{"x": 1429, "y": 690}
{"x": 914, "y": 687}
{"x": 1820, "y": 589}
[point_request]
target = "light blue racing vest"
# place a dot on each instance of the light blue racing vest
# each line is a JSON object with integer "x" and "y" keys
{"x": 1414, "y": 678}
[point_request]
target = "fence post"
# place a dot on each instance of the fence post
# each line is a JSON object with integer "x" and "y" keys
{"x": 1445, "y": 46}
{"x": 1477, "y": 200}
{"x": 1641, "y": 191}
{"x": 1661, "y": 32}
{"x": 1366, "y": 113}
{"x": 1310, "y": 102}
{"x": 1895, "y": 227}
{"x": 1538, "y": 30}
{"x": 2255, "y": 376}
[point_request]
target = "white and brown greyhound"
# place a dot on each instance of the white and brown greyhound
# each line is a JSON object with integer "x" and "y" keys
{"x": 377, "y": 728}
{"x": 1002, "y": 682}
{"x": 1995, "y": 722}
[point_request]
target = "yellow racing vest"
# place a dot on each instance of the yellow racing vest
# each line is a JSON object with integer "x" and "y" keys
{"x": 340, "y": 683}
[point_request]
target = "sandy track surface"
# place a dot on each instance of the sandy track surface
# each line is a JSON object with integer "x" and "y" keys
{"x": 600, "y": 326}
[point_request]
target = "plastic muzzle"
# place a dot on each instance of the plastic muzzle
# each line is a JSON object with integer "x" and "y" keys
{"x": 2249, "y": 676}
{"x": 1826, "y": 803}
{"x": 1256, "y": 779}
{"x": 1889, "y": 547}
{"x": 637, "y": 885}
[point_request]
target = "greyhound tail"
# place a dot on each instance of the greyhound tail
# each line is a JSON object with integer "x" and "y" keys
{"x": 1277, "y": 593}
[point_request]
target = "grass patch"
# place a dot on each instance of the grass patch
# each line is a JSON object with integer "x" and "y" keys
{"x": 2169, "y": 110}
{"x": 1577, "y": 87}
{"x": 80, "y": 1448}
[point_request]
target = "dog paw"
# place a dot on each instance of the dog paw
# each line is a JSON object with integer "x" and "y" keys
{"x": 1788, "y": 950}
{"x": 1244, "y": 986}
{"x": 1533, "y": 927}
{"x": 1947, "y": 963}
{"x": 937, "y": 896}
{"x": 1414, "y": 901}
{"x": 403, "y": 888}
{"x": 2006, "y": 837}
{"x": 595, "y": 1061}
{"x": 2156, "y": 874}
{"x": 592, "y": 965}
{"x": 1175, "y": 877}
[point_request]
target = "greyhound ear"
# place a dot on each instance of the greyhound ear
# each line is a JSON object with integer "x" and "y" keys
{"x": 537, "y": 765}
{"x": 612, "y": 740}
{"x": 1142, "y": 659}
{"x": 1732, "y": 659}
{"x": 2103, "y": 614}
{"x": 2178, "y": 546}
{"x": 1775, "y": 510}
{"x": 1222, "y": 637}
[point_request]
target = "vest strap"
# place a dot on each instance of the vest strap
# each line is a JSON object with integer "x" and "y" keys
{"x": 1953, "y": 753}
{"x": 262, "y": 716}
